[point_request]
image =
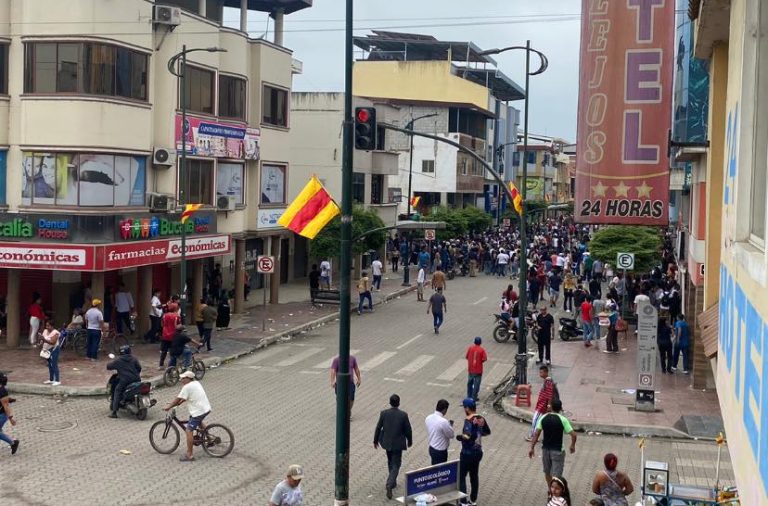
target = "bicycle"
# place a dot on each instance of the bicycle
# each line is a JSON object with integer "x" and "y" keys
{"x": 216, "y": 439}
{"x": 172, "y": 374}
{"x": 113, "y": 339}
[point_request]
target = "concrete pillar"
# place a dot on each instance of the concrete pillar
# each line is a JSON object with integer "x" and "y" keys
{"x": 202, "y": 10}
{"x": 244, "y": 16}
{"x": 279, "y": 15}
{"x": 239, "y": 275}
{"x": 143, "y": 298}
{"x": 13, "y": 308}
{"x": 274, "y": 278}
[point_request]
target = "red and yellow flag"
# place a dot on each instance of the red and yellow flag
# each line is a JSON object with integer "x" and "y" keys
{"x": 189, "y": 210}
{"x": 415, "y": 201}
{"x": 517, "y": 199}
{"x": 311, "y": 211}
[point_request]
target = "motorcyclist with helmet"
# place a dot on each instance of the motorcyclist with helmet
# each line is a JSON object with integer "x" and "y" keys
{"x": 128, "y": 370}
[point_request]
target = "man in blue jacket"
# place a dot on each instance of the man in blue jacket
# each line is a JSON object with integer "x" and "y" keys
{"x": 471, "y": 438}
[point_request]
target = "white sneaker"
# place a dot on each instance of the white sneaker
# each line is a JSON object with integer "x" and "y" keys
{"x": 47, "y": 382}
{"x": 56, "y": 383}
{"x": 686, "y": 372}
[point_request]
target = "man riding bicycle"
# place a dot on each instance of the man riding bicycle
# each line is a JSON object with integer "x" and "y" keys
{"x": 180, "y": 347}
{"x": 197, "y": 402}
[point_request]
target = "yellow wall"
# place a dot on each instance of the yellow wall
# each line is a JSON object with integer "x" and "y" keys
{"x": 429, "y": 81}
{"x": 717, "y": 120}
{"x": 742, "y": 362}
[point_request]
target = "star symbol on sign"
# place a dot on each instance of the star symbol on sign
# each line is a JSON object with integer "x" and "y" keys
{"x": 644, "y": 190}
{"x": 621, "y": 190}
{"x": 599, "y": 189}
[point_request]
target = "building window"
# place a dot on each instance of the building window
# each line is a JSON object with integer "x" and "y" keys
{"x": 545, "y": 162}
{"x": 377, "y": 189}
{"x": 199, "y": 184}
{"x": 758, "y": 181}
{"x": 274, "y": 106}
{"x": 200, "y": 87}
{"x": 232, "y": 97}
{"x": 381, "y": 132}
{"x": 516, "y": 158}
{"x": 273, "y": 184}
{"x": 84, "y": 179}
{"x": 3, "y": 177}
{"x": 428, "y": 166}
{"x": 358, "y": 187}
{"x": 463, "y": 167}
{"x": 85, "y": 67}
{"x": 229, "y": 180}
{"x": 3, "y": 69}
{"x": 531, "y": 157}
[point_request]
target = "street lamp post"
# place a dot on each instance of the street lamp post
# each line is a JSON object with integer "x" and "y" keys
{"x": 182, "y": 201}
{"x": 521, "y": 360}
{"x": 407, "y": 269}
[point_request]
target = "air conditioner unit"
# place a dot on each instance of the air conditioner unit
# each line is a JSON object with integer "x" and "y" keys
{"x": 225, "y": 203}
{"x": 159, "y": 202}
{"x": 163, "y": 156}
{"x": 166, "y": 15}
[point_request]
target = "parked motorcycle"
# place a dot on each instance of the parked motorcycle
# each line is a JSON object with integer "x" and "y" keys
{"x": 569, "y": 329}
{"x": 137, "y": 398}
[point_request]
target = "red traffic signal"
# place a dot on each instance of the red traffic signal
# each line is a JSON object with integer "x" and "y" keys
{"x": 365, "y": 128}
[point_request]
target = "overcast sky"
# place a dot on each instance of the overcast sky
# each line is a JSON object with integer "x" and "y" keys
{"x": 316, "y": 35}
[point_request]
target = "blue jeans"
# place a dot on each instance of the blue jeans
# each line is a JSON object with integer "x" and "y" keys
{"x": 3, "y": 436}
{"x": 501, "y": 269}
{"x": 186, "y": 356}
{"x": 437, "y": 319}
{"x": 363, "y": 296}
{"x": 53, "y": 364}
{"x": 473, "y": 385}
{"x": 587, "y": 326}
{"x": 676, "y": 356}
{"x": 207, "y": 338}
{"x": 93, "y": 336}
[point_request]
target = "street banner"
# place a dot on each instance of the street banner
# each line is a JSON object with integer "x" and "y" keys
{"x": 221, "y": 140}
{"x": 624, "y": 116}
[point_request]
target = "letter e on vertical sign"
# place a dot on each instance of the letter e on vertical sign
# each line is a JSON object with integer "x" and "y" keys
{"x": 626, "y": 73}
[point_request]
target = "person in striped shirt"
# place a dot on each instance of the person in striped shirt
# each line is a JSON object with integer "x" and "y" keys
{"x": 546, "y": 394}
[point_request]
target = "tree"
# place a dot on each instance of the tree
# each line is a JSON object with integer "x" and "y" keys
{"x": 477, "y": 219}
{"x": 644, "y": 242}
{"x": 326, "y": 244}
{"x": 456, "y": 224}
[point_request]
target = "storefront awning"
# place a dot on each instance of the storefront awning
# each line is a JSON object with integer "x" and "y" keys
{"x": 709, "y": 325}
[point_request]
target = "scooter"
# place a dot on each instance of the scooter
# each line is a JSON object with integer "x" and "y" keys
{"x": 569, "y": 329}
{"x": 137, "y": 398}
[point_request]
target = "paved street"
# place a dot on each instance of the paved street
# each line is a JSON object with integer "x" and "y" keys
{"x": 279, "y": 403}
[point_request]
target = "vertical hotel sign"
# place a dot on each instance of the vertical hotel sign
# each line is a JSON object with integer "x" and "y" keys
{"x": 622, "y": 168}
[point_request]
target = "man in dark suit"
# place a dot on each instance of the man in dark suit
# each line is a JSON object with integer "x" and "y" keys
{"x": 393, "y": 433}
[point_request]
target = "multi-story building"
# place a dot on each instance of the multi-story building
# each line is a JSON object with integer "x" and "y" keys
{"x": 462, "y": 94}
{"x": 93, "y": 200}
{"x": 731, "y": 186}
{"x": 544, "y": 177}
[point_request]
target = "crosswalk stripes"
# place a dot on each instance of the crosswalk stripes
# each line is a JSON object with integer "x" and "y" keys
{"x": 498, "y": 371}
{"x": 299, "y": 357}
{"x": 326, "y": 364}
{"x": 454, "y": 370}
{"x": 415, "y": 366}
{"x": 262, "y": 355}
{"x": 377, "y": 360}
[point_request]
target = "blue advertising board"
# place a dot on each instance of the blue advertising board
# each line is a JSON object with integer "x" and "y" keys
{"x": 429, "y": 479}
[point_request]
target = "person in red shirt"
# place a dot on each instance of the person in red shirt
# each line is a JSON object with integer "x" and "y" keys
{"x": 475, "y": 357}
{"x": 169, "y": 321}
{"x": 36, "y": 318}
{"x": 586, "y": 320}
{"x": 546, "y": 394}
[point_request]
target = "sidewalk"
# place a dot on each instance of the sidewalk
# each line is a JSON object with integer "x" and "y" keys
{"x": 598, "y": 392}
{"x": 81, "y": 377}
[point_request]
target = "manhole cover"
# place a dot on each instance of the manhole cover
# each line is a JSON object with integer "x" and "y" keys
{"x": 57, "y": 427}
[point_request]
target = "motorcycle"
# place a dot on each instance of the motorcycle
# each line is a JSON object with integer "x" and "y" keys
{"x": 504, "y": 329}
{"x": 137, "y": 398}
{"x": 569, "y": 329}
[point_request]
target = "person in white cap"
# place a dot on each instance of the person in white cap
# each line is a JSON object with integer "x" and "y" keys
{"x": 288, "y": 492}
{"x": 197, "y": 402}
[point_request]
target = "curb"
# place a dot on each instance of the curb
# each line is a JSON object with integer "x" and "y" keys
{"x": 523, "y": 415}
{"x": 210, "y": 362}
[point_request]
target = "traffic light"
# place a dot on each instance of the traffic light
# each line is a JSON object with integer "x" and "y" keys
{"x": 365, "y": 128}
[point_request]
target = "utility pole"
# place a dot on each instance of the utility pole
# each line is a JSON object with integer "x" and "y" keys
{"x": 341, "y": 488}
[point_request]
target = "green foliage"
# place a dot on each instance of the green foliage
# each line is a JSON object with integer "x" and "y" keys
{"x": 456, "y": 223}
{"x": 327, "y": 243}
{"x": 644, "y": 242}
{"x": 477, "y": 219}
